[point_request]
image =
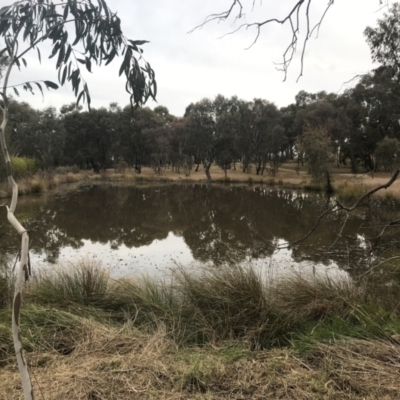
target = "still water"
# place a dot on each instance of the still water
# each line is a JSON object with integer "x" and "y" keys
{"x": 153, "y": 229}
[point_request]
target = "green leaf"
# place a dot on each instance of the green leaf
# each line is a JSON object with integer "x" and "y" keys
{"x": 126, "y": 61}
{"x": 16, "y": 91}
{"x": 105, "y": 8}
{"x": 68, "y": 53}
{"x": 79, "y": 97}
{"x": 65, "y": 12}
{"x": 85, "y": 87}
{"x": 111, "y": 56}
{"x": 64, "y": 75}
{"x": 40, "y": 87}
{"x": 81, "y": 61}
{"x": 138, "y": 42}
{"x": 24, "y": 61}
{"x": 38, "y": 51}
{"x": 88, "y": 64}
{"x": 60, "y": 56}
{"x": 56, "y": 47}
{"x": 3, "y": 10}
{"x": 50, "y": 84}
{"x": 27, "y": 30}
{"x": 155, "y": 89}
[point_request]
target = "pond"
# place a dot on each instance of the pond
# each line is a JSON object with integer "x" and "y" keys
{"x": 154, "y": 229}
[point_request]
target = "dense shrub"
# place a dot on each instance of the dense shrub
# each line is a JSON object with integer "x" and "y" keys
{"x": 23, "y": 167}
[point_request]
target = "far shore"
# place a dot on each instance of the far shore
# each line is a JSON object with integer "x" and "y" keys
{"x": 344, "y": 182}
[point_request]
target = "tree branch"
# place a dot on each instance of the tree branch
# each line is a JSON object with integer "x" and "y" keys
{"x": 370, "y": 192}
{"x": 293, "y": 19}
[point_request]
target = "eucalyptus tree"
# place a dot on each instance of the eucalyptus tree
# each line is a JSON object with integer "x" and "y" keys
{"x": 21, "y": 117}
{"x": 244, "y": 137}
{"x": 202, "y": 133}
{"x": 265, "y": 118}
{"x": 387, "y": 154}
{"x": 46, "y": 138}
{"x": 227, "y": 131}
{"x": 94, "y": 36}
{"x": 288, "y": 117}
{"x": 159, "y": 146}
{"x": 134, "y": 140}
{"x": 315, "y": 143}
{"x": 327, "y": 113}
{"x": 179, "y": 142}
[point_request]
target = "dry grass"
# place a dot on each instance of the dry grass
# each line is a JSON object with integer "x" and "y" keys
{"x": 369, "y": 369}
{"x": 204, "y": 335}
{"x": 225, "y": 303}
{"x": 348, "y": 185}
{"x": 316, "y": 297}
{"x": 109, "y": 363}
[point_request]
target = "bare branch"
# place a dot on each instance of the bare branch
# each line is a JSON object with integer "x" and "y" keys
{"x": 339, "y": 207}
{"x": 377, "y": 266}
{"x": 338, "y": 236}
{"x": 351, "y": 80}
{"x": 371, "y": 192}
{"x": 318, "y": 26}
{"x": 293, "y": 19}
{"x": 330, "y": 210}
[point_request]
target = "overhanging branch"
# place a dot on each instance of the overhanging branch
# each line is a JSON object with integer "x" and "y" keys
{"x": 294, "y": 19}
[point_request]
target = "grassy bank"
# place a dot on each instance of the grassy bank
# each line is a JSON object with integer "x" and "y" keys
{"x": 347, "y": 185}
{"x": 215, "y": 334}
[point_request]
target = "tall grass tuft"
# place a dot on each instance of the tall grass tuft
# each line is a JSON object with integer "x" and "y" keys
{"x": 351, "y": 191}
{"x": 224, "y": 303}
{"x": 145, "y": 301}
{"x": 85, "y": 283}
{"x": 229, "y": 302}
{"x": 317, "y": 297}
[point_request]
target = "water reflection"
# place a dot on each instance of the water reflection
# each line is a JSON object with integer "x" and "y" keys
{"x": 139, "y": 227}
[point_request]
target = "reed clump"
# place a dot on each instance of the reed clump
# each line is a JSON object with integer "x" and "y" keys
{"x": 85, "y": 283}
{"x": 215, "y": 304}
{"x": 351, "y": 191}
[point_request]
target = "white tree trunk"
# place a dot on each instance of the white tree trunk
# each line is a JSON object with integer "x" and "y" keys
{"x": 23, "y": 267}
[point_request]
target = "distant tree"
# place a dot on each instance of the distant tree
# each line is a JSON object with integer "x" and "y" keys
{"x": 317, "y": 147}
{"x": 384, "y": 40}
{"x": 179, "y": 146}
{"x": 164, "y": 114}
{"x": 265, "y": 117}
{"x": 387, "y": 154}
{"x": 202, "y": 133}
{"x": 20, "y": 118}
{"x": 95, "y": 37}
{"x": 325, "y": 113}
{"x": 159, "y": 146}
{"x": 47, "y": 138}
{"x": 276, "y": 143}
{"x": 134, "y": 141}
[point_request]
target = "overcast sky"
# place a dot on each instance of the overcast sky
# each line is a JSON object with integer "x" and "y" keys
{"x": 192, "y": 66}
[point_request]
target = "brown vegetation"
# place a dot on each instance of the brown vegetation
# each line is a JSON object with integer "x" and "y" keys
{"x": 349, "y": 186}
{"x": 219, "y": 333}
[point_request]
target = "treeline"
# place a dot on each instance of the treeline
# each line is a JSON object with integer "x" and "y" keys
{"x": 359, "y": 128}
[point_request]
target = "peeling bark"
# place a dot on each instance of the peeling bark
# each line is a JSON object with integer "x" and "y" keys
{"x": 22, "y": 267}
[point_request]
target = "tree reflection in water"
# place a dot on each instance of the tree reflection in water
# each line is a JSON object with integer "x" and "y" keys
{"x": 219, "y": 224}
